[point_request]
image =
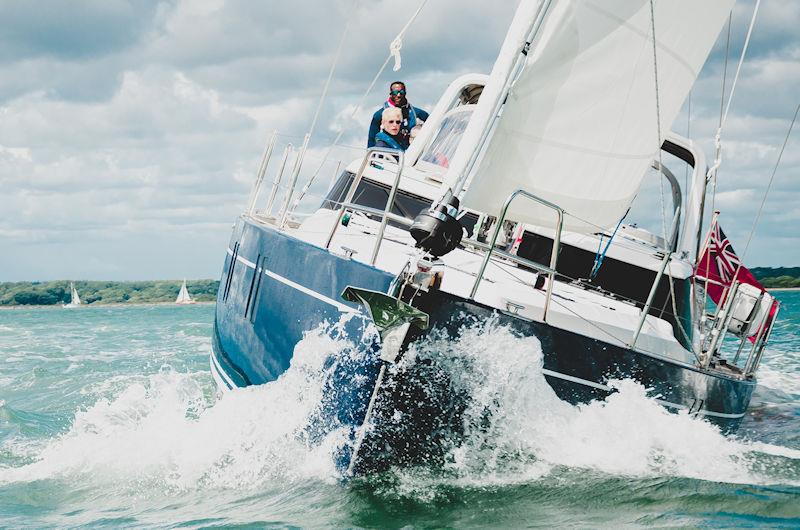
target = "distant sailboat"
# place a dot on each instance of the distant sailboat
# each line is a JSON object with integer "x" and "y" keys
{"x": 75, "y": 300}
{"x": 183, "y": 296}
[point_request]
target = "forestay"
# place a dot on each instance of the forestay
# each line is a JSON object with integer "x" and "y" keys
{"x": 579, "y": 125}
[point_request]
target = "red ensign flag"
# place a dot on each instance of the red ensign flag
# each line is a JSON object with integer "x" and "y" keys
{"x": 719, "y": 264}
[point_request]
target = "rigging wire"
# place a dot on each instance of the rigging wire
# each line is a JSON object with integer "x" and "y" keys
{"x": 601, "y": 252}
{"x": 717, "y": 142}
{"x": 394, "y": 52}
{"x": 667, "y": 240}
{"x": 741, "y": 61}
{"x": 712, "y": 173}
{"x": 761, "y": 207}
{"x": 332, "y": 70}
{"x": 658, "y": 112}
{"x": 766, "y": 192}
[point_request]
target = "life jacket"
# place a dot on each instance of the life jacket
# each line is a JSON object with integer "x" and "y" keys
{"x": 389, "y": 140}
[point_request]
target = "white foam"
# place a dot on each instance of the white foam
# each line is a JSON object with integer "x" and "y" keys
{"x": 779, "y": 372}
{"x": 530, "y": 430}
{"x": 167, "y": 429}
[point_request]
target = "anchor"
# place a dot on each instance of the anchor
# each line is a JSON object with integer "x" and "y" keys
{"x": 393, "y": 318}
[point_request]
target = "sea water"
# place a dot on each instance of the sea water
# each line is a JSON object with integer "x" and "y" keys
{"x": 109, "y": 417}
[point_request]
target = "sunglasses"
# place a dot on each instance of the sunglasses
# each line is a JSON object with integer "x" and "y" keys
{"x": 398, "y": 92}
{"x": 394, "y": 121}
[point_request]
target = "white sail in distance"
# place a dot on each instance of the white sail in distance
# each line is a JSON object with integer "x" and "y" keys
{"x": 183, "y": 295}
{"x": 74, "y": 299}
{"x": 579, "y": 126}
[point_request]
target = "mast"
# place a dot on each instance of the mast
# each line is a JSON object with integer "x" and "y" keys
{"x": 437, "y": 231}
{"x": 510, "y": 62}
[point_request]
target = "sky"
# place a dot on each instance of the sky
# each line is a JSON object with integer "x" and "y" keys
{"x": 131, "y": 131}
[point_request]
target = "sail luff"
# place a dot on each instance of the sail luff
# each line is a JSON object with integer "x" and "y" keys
{"x": 493, "y": 93}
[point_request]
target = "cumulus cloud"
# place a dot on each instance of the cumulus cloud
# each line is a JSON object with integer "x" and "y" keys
{"x": 130, "y": 132}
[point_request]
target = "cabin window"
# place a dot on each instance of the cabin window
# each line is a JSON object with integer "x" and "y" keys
{"x": 441, "y": 149}
{"x": 374, "y": 195}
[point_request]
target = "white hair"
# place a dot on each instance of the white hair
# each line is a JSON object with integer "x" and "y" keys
{"x": 389, "y": 112}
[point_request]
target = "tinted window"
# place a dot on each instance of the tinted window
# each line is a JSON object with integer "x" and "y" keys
{"x": 374, "y": 195}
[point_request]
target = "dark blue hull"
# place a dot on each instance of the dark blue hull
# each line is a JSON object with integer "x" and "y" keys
{"x": 275, "y": 288}
{"x": 261, "y": 317}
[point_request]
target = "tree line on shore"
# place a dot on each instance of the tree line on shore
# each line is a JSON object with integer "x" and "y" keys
{"x": 143, "y": 292}
{"x": 104, "y": 292}
{"x": 777, "y": 277}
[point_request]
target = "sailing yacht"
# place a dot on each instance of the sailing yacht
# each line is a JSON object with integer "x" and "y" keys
{"x": 183, "y": 296}
{"x": 75, "y": 300}
{"x": 509, "y": 206}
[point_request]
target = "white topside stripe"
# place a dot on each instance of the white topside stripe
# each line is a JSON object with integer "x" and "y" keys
{"x": 340, "y": 306}
{"x": 660, "y": 401}
{"x": 344, "y": 308}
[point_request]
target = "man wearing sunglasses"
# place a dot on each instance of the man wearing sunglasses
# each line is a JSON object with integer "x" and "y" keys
{"x": 412, "y": 116}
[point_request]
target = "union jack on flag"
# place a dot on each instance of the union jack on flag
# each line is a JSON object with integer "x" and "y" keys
{"x": 719, "y": 264}
{"x": 720, "y": 247}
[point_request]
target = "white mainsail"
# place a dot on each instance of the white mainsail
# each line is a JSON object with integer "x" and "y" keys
{"x": 183, "y": 295}
{"x": 579, "y": 125}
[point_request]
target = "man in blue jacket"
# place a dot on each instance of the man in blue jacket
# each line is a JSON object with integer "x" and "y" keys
{"x": 411, "y": 115}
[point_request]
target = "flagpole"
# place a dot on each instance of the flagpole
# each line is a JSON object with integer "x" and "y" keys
{"x": 704, "y": 312}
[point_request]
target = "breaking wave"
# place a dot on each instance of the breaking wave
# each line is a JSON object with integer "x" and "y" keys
{"x": 169, "y": 430}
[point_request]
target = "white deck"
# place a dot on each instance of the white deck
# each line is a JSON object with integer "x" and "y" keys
{"x": 505, "y": 286}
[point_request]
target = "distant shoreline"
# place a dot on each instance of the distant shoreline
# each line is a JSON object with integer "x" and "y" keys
{"x": 55, "y": 293}
{"x": 101, "y": 304}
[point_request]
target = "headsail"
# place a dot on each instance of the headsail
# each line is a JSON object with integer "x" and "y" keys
{"x": 579, "y": 125}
